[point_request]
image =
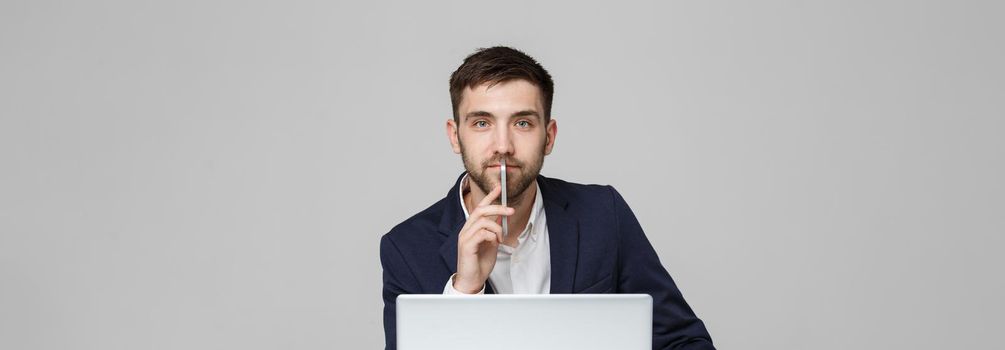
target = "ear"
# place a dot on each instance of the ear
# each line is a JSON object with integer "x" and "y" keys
{"x": 453, "y": 136}
{"x": 550, "y": 132}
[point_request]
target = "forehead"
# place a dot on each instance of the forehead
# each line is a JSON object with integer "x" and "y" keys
{"x": 504, "y": 96}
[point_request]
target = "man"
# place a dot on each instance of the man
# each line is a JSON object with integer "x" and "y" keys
{"x": 562, "y": 237}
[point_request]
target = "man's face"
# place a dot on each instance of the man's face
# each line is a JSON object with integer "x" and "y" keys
{"x": 502, "y": 121}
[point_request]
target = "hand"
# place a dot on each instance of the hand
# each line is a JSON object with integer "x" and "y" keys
{"x": 477, "y": 244}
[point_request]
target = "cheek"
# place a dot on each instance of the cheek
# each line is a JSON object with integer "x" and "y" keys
{"x": 531, "y": 144}
{"x": 474, "y": 149}
{"x": 477, "y": 145}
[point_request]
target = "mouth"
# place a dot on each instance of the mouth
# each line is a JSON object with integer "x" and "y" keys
{"x": 508, "y": 167}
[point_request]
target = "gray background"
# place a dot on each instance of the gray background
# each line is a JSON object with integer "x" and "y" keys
{"x": 217, "y": 174}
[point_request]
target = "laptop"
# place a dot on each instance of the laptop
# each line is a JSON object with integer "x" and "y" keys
{"x": 525, "y": 321}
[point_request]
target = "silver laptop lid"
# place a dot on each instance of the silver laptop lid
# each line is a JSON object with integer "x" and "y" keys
{"x": 525, "y": 321}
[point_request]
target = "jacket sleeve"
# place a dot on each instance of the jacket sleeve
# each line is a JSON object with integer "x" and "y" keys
{"x": 398, "y": 279}
{"x": 675, "y": 325}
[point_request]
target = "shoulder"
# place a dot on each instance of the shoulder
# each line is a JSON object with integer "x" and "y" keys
{"x": 595, "y": 196}
{"x": 593, "y": 204}
{"x": 417, "y": 227}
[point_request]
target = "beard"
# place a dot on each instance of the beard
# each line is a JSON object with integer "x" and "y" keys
{"x": 516, "y": 183}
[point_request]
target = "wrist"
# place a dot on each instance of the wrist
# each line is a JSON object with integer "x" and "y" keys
{"x": 465, "y": 287}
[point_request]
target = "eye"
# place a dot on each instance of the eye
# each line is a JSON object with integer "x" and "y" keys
{"x": 481, "y": 124}
{"x": 523, "y": 124}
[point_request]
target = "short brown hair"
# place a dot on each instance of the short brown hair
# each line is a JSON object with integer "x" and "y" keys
{"x": 496, "y": 65}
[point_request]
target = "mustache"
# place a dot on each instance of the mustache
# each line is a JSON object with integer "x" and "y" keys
{"x": 509, "y": 162}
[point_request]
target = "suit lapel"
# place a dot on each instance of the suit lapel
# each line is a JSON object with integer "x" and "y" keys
{"x": 450, "y": 225}
{"x": 563, "y": 233}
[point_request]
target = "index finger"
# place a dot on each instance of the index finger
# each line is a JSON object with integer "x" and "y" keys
{"x": 491, "y": 196}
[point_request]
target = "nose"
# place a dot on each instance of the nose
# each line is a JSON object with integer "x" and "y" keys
{"x": 503, "y": 141}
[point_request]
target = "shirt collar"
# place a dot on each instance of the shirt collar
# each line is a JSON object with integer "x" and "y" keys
{"x": 535, "y": 210}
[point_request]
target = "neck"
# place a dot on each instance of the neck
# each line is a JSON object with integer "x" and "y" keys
{"x": 522, "y": 206}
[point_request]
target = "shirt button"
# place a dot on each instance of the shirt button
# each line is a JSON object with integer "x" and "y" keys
{"x": 516, "y": 260}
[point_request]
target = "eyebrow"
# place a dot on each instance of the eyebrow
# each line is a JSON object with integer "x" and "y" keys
{"x": 523, "y": 113}
{"x": 526, "y": 113}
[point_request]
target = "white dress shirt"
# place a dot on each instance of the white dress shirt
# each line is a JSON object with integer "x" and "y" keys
{"x": 525, "y": 269}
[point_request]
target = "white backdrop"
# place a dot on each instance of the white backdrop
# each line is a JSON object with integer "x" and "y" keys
{"x": 217, "y": 174}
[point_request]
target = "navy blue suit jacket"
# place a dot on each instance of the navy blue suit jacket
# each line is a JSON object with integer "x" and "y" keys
{"x": 597, "y": 246}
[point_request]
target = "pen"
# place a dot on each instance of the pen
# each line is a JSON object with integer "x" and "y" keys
{"x": 502, "y": 181}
